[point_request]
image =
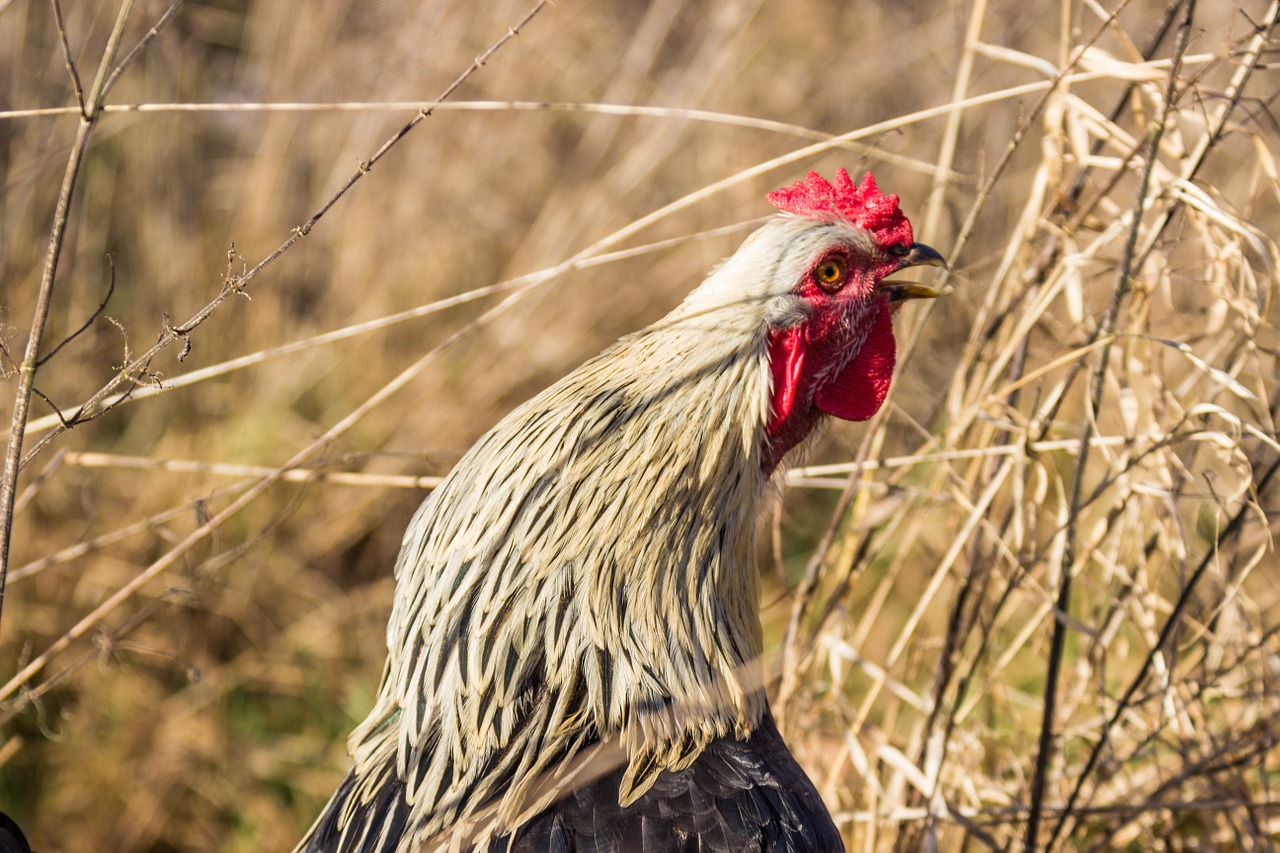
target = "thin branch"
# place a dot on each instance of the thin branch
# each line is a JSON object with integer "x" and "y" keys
{"x": 57, "y": 410}
{"x": 66, "y": 55}
{"x": 138, "y": 48}
{"x": 235, "y": 284}
{"x": 423, "y": 112}
{"x": 44, "y": 297}
{"x": 1105, "y": 331}
{"x": 102, "y": 306}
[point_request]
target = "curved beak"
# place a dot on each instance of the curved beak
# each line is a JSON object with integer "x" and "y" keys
{"x": 917, "y": 255}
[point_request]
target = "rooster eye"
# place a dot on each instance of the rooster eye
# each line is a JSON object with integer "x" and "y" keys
{"x": 830, "y": 273}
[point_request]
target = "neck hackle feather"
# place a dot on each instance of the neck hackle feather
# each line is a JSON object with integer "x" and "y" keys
{"x": 585, "y": 577}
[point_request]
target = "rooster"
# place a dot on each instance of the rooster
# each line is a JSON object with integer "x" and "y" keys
{"x": 575, "y": 643}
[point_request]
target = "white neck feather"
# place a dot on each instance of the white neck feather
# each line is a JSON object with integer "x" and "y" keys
{"x": 588, "y": 569}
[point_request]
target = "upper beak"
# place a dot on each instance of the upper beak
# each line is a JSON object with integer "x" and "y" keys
{"x": 918, "y": 255}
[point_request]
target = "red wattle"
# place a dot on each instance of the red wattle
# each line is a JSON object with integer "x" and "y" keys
{"x": 786, "y": 359}
{"x": 857, "y": 392}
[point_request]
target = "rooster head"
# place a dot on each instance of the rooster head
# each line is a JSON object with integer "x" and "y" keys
{"x": 830, "y": 337}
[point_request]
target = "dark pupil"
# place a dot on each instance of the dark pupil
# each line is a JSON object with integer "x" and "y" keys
{"x": 828, "y": 272}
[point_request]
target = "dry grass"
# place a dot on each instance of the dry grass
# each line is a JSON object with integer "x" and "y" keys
{"x": 1086, "y": 427}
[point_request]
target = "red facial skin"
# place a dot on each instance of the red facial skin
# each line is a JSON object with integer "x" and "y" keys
{"x": 812, "y": 372}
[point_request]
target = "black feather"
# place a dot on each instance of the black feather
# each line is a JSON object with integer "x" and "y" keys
{"x": 11, "y": 838}
{"x": 738, "y": 797}
{"x": 387, "y": 808}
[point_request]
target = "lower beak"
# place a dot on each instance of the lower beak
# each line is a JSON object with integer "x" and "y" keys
{"x": 918, "y": 255}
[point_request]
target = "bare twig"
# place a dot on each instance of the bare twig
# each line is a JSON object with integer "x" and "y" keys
{"x": 97, "y": 312}
{"x": 1104, "y": 331}
{"x": 66, "y": 55}
{"x": 140, "y": 46}
{"x": 44, "y": 298}
{"x": 235, "y": 284}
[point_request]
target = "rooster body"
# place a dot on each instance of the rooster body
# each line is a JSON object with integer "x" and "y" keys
{"x": 575, "y": 642}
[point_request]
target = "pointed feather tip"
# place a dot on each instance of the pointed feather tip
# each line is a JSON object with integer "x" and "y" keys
{"x": 861, "y": 204}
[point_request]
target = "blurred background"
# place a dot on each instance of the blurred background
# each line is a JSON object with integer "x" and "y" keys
{"x": 912, "y": 572}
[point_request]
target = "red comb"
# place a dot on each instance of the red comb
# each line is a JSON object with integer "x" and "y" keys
{"x": 865, "y": 206}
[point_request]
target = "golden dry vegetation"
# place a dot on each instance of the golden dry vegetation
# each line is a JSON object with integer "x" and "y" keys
{"x": 200, "y": 572}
